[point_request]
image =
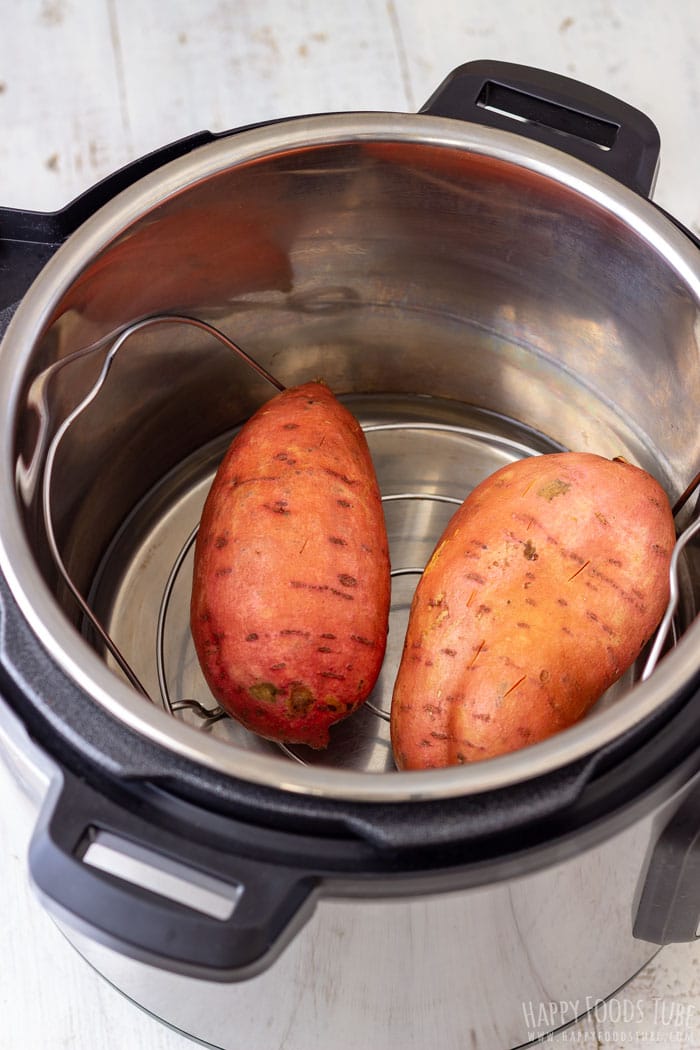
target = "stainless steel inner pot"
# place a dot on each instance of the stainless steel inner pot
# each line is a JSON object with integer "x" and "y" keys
{"x": 474, "y": 297}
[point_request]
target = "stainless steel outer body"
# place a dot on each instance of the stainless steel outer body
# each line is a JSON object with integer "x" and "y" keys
{"x": 392, "y": 253}
{"x": 495, "y": 966}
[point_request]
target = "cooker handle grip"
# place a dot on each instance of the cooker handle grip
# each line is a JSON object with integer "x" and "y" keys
{"x": 582, "y": 121}
{"x": 668, "y": 908}
{"x": 29, "y": 238}
{"x": 211, "y": 915}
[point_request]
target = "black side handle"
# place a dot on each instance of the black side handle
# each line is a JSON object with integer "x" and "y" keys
{"x": 28, "y": 239}
{"x": 582, "y": 121}
{"x": 668, "y": 909}
{"x": 268, "y": 902}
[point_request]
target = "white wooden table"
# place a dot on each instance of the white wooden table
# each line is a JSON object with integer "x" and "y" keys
{"x": 87, "y": 85}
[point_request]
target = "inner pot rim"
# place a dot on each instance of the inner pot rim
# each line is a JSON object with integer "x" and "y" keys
{"x": 83, "y": 665}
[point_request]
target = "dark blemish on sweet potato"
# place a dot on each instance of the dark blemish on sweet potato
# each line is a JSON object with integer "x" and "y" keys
{"x": 439, "y": 736}
{"x": 483, "y": 610}
{"x": 226, "y": 571}
{"x": 324, "y": 649}
{"x": 530, "y": 601}
{"x": 329, "y": 704}
{"x": 362, "y": 641}
{"x": 342, "y": 594}
{"x": 544, "y": 676}
{"x": 332, "y": 674}
{"x": 328, "y": 635}
{"x": 343, "y": 503}
{"x": 264, "y": 691}
{"x": 479, "y": 717}
{"x": 290, "y": 426}
{"x": 449, "y": 652}
{"x": 340, "y": 477}
{"x": 553, "y": 488}
{"x": 293, "y": 632}
{"x": 590, "y": 615}
{"x": 321, "y": 588}
{"x": 346, "y": 580}
{"x": 220, "y": 542}
{"x": 300, "y": 699}
{"x": 601, "y": 518}
{"x": 523, "y": 733}
{"x": 252, "y": 637}
{"x": 562, "y": 601}
{"x": 615, "y": 561}
{"x": 261, "y": 477}
{"x": 278, "y": 667}
{"x": 280, "y": 506}
{"x": 525, "y": 626}
{"x": 338, "y": 541}
{"x": 573, "y": 556}
{"x": 471, "y": 744}
{"x": 530, "y": 551}
{"x": 567, "y": 630}
{"x": 475, "y": 577}
{"x": 205, "y": 616}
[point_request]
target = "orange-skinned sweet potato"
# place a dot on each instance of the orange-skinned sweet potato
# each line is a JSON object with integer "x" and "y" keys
{"x": 541, "y": 592}
{"x": 291, "y": 586}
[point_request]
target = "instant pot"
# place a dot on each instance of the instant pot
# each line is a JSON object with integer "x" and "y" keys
{"x": 481, "y": 281}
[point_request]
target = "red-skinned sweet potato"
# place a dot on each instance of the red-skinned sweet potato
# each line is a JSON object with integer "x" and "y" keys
{"x": 541, "y": 592}
{"x": 291, "y": 586}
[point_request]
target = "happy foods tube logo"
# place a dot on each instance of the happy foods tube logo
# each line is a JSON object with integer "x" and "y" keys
{"x": 616, "y": 1021}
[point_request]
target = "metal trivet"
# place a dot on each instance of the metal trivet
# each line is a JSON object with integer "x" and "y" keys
{"x": 211, "y": 715}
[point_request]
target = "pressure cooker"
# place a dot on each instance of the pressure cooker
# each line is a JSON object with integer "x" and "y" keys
{"x": 482, "y": 281}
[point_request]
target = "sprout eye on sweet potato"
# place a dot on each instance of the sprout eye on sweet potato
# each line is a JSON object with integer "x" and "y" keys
{"x": 541, "y": 593}
{"x": 291, "y": 586}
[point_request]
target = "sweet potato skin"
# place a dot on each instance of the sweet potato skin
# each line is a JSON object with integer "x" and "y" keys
{"x": 541, "y": 592}
{"x": 291, "y": 584}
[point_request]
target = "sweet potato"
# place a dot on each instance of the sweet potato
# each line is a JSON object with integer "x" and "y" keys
{"x": 541, "y": 592}
{"x": 291, "y": 585}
